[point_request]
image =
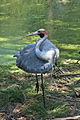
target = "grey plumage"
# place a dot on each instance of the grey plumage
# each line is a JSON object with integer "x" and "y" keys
{"x": 37, "y": 57}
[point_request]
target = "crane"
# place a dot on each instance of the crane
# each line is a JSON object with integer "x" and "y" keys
{"x": 39, "y": 57}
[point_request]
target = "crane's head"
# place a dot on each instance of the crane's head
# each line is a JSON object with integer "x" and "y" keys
{"x": 40, "y": 32}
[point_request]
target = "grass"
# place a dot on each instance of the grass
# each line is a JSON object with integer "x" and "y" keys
{"x": 17, "y": 90}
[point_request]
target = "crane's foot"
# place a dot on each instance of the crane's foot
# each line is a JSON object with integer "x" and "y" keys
{"x": 37, "y": 84}
{"x": 42, "y": 86}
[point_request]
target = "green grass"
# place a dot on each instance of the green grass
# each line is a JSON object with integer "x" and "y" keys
{"x": 16, "y": 86}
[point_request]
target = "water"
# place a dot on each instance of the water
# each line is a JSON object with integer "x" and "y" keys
{"x": 18, "y": 17}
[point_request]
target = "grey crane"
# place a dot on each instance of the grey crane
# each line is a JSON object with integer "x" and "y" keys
{"x": 39, "y": 57}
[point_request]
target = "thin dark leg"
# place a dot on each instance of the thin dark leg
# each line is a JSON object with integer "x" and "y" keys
{"x": 37, "y": 84}
{"x": 42, "y": 86}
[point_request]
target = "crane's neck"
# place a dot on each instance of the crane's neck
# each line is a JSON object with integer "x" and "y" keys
{"x": 39, "y": 53}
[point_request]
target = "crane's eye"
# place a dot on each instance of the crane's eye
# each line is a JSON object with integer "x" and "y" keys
{"x": 39, "y": 32}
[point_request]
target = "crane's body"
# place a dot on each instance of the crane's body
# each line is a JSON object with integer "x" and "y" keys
{"x": 38, "y": 57}
{"x": 30, "y": 62}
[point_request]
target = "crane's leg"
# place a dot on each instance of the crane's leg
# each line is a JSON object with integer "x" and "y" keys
{"x": 42, "y": 86}
{"x": 37, "y": 84}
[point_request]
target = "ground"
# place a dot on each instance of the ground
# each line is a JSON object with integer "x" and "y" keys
{"x": 19, "y": 99}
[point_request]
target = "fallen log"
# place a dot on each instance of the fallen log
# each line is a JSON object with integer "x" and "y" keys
{"x": 69, "y": 118}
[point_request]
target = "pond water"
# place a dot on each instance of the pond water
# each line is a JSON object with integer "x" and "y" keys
{"x": 18, "y": 17}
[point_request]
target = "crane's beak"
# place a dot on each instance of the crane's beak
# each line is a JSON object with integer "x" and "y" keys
{"x": 34, "y": 33}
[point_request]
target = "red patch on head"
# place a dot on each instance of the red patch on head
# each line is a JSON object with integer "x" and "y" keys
{"x": 46, "y": 33}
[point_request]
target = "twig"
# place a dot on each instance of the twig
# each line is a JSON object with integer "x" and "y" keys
{"x": 65, "y": 75}
{"x": 63, "y": 99}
